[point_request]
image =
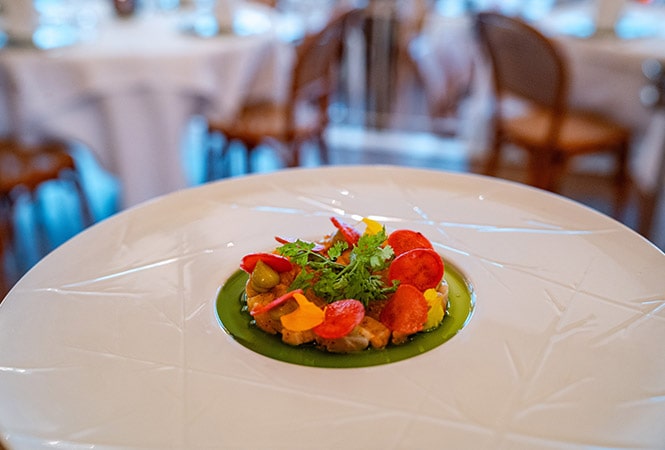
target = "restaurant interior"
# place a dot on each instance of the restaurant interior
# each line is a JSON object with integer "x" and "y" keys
{"x": 332, "y": 224}
{"x": 146, "y": 97}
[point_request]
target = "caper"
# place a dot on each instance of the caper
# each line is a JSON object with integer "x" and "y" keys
{"x": 264, "y": 277}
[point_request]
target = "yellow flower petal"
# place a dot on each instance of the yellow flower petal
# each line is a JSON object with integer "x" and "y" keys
{"x": 436, "y": 312}
{"x": 373, "y": 226}
{"x": 306, "y": 317}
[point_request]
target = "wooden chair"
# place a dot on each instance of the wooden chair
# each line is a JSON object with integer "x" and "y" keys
{"x": 528, "y": 66}
{"x": 303, "y": 116}
{"x": 23, "y": 169}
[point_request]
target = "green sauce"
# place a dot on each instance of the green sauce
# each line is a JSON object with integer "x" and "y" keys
{"x": 237, "y": 322}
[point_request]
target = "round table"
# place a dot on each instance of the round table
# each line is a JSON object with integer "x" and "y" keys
{"x": 130, "y": 87}
{"x": 113, "y": 339}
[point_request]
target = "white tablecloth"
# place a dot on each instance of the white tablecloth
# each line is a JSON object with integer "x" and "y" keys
{"x": 130, "y": 92}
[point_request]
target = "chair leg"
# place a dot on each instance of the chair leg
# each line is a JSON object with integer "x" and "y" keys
{"x": 537, "y": 170}
{"x": 215, "y": 153}
{"x": 621, "y": 181}
{"x": 87, "y": 217}
{"x": 493, "y": 159}
{"x": 294, "y": 153}
{"x": 6, "y": 233}
{"x": 210, "y": 157}
{"x": 557, "y": 170}
{"x": 646, "y": 211}
{"x": 86, "y": 211}
{"x": 44, "y": 241}
{"x": 323, "y": 149}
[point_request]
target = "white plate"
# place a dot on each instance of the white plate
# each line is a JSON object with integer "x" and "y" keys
{"x": 112, "y": 341}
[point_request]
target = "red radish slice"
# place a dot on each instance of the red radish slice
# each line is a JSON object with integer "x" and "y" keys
{"x": 278, "y": 263}
{"x": 340, "y": 318}
{"x": 402, "y": 241}
{"x": 351, "y": 235}
{"x": 406, "y": 311}
{"x": 275, "y": 303}
{"x": 420, "y": 267}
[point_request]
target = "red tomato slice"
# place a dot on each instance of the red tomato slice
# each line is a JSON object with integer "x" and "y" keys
{"x": 351, "y": 235}
{"x": 340, "y": 318}
{"x": 406, "y": 311}
{"x": 404, "y": 240}
{"x": 275, "y": 303}
{"x": 278, "y": 263}
{"x": 420, "y": 267}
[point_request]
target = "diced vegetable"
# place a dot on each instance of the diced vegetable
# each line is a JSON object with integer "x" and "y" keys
{"x": 277, "y": 262}
{"x": 436, "y": 309}
{"x": 420, "y": 267}
{"x": 306, "y": 317}
{"x": 340, "y": 318}
{"x": 406, "y": 311}
{"x": 404, "y": 240}
{"x": 350, "y": 234}
{"x": 275, "y": 303}
{"x": 264, "y": 277}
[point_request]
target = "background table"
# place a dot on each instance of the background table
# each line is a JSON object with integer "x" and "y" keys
{"x": 129, "y": 90}
{"x": 112, "y": 341}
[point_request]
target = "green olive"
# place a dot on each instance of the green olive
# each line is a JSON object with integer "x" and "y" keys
{"x": 264, "y": 277}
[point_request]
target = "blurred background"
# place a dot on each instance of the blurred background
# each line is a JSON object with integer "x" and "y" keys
{"x": 148, "y": 96}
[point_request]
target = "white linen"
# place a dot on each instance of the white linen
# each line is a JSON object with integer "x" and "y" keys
{"x": 129, "y": 93}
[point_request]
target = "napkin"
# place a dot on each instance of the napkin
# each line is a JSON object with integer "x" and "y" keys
{"x": 18, "y": 18}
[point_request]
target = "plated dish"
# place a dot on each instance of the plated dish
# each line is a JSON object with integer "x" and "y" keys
{"x": 367, "y": 295}
{"x": 113, "y": 340}
{"x": 230, "y": 312}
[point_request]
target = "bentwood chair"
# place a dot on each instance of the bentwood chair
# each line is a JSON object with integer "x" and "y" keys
{"x": 23, "y": 169}
{"x": 528, "y": 66}
{"x": 303, "y": 117}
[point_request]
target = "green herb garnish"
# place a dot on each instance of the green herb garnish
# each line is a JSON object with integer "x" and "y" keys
{"x": 331, "y": 280}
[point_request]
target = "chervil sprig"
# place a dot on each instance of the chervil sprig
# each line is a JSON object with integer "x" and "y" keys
{"x": 331, "y": 280}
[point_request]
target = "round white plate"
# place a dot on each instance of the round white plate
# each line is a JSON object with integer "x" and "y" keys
{"x": 112, "y": 341}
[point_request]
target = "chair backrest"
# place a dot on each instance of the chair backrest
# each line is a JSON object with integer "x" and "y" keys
{"x": 524, "y": 62}
{"x": 318, "y": 58}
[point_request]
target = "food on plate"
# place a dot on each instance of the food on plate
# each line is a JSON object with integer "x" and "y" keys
{"x": 350, "y": 291}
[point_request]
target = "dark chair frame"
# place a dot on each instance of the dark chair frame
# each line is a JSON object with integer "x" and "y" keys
{"x": 25, "y": 168}
{"x": 313, "y": 81}
{"x": 527, "y": 65}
